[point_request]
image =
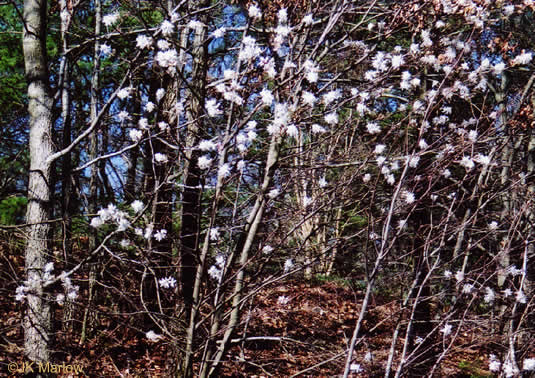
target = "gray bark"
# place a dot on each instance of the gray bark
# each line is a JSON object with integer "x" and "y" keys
{"x": 37, "y": 326}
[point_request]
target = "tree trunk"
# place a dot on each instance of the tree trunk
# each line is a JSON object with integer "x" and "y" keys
{"x": 93, "y": 181}
{"x": 37, "y": 324}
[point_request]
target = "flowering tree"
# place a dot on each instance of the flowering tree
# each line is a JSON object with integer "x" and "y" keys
{"x": 390, "y": 142}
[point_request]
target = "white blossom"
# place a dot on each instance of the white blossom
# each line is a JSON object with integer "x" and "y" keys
{"x": 309, "y": 98}
{"x": 529, "y": 364}
{"x": 482, "y": 159}
{"x": 96, "y": 222}
{"x": 204, "y": 162}
{"x": 267, "y": 249}
{"x": 521, "y": 297}
{"x": 135, "y": 134}
{"x": 20, "y": 293}
{"x": 214, "y": 234}
{"x": 123, "y": 93}
{"x": 508, "y": 10}
{"x": 373, "y": 128}
{"x": 160, "y": 158}
{"x": 159, "y": 94}
{"x": 160, "y": 235}
{"x": 220, "y": 261}
{"x": 523, "y": 58}
{"x": 459, "y": 276}
{"x": 331, "y": 118}
{"x": 379, "y": 149}
{"x": 224, "y": 171}
{"x": 288, "y": 265}
{"x": 254, "y": 12}
{"x": 167, "y": 58}
{"x": 167, "y": 28}
{"x": 167, "y": 282}
{"x": 489, "y": 295}
{"x": 152, "y": 336}
{"x": 163, "y": 44}
{"x": 267, "y": 97}
{"x": 148, "y": 232}
{"x": 397, "y": 61}
{"x": 215, "y": 273}
{"x": 318, "y": 129}
{"x": 292, "y": 131}
{"x": 446, "y": 330}
{"x": 283, "y": 300}
{"x": 472, "y": 136}
{"x": 105, "y": 49}
{"x": 60, "y": 299}
{"x": 355, "y": 368}
{"x": 509, "y": 370}
{"x": 467, "y": 288}
{"x": 493, "y": 225}
{"x": 409, "y": 197}
{"x": 467, "y": 163}
{"x": 308, "y": 19}
{"x": 273, "y": 193}
{"x": 219, "y": 33}
{"x": 331, "y": 96}
{"x": 110, "y": 19}
{"x": 123, "y": 116}
{"x": 282, "y": 15}
{"x": 123, "y": 224}
{"x": 143, "y": 123}
{"x": 212, "y": 108}
{"x": 149, "y": 107}
{"x": 143, "y": 42}
{"x": 494, "y": 365}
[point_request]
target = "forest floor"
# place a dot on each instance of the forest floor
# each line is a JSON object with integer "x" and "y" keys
{"x": 291, "y": 327}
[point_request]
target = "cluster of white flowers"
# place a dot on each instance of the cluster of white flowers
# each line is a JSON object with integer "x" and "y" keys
{"x": 288, "y": 265}
{"x": 355, "y": 368}
{"x": 212, "y": 108}
{"x": 167, "y": 58}
{"x": 136, "y": 135}
{"x": 110, "y": 19}
{"x": 111, "y": 213}
{"x": 254, "y": 12}
{"x": 224, "y": 171}
{"x": 72, "y": 290}
{"x": 143, "y": 42}
{"x": 523, "y": 58}
{"x": 267, "y": 249}
{"x": 273, "y": 193}
{"x": 167, "y": 282}
{"x": 123, "y": 93}
{"x": 283, "y": 300}
{"x": 21, "y": 292}
{"x": 249, "y": 49}
{"x": 204, "y": 162}
{"x": 446, "y": 330}
{"x": 215, "y": 273}
{"x": 160, "y": 235}
{"x": 153, "y": 336}
{"x": 160, "y": 158}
